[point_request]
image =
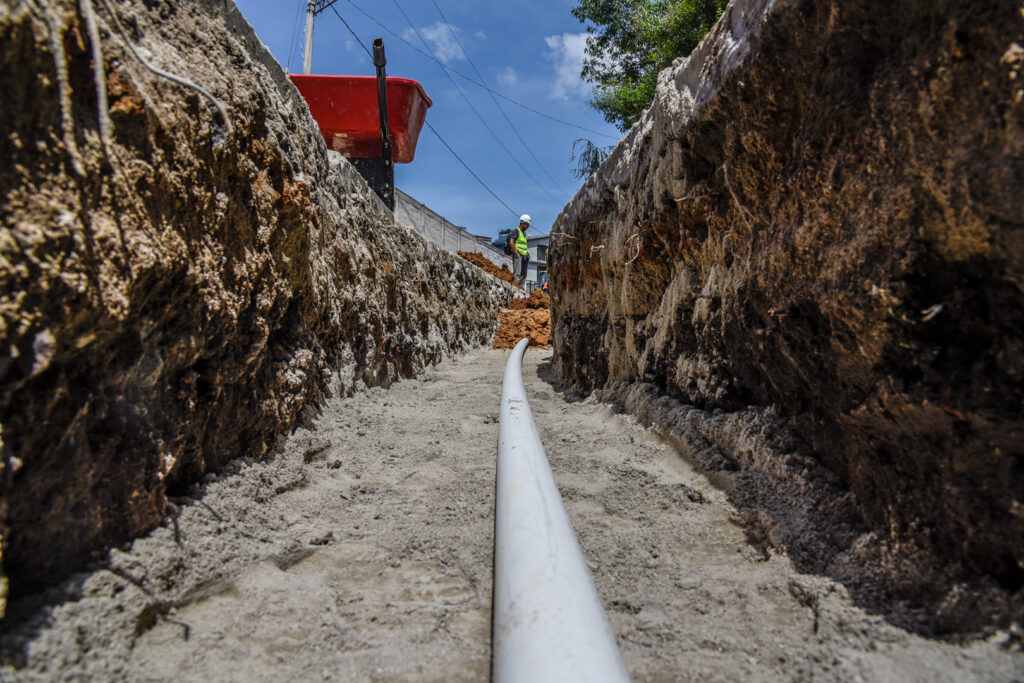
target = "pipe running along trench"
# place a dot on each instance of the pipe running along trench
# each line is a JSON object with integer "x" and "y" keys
{"x": 548, "y": 622}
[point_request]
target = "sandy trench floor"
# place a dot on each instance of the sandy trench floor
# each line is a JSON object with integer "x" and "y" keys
{"x": 363, "y": 552}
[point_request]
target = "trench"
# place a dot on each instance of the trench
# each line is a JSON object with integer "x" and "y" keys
{"x": 363, "y": 551}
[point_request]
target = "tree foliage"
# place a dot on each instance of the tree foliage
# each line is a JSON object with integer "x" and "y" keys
{"x": 589, "y": 158}
{"x": 631, "y": 41}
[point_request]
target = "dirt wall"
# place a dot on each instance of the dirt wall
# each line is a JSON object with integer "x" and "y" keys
{"x": 180, "y": 283}
{"x": 821, "y": 217}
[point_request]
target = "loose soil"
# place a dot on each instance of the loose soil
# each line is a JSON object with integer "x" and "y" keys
{"x": 481, "y": 261}
{"x": 535, "y": 324}
{"x": 537, "y": 299}
{"x": 363, "y": 550}
{"x": 529, "y": 317}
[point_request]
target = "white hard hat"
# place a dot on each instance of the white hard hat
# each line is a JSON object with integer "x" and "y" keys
{"x": 525, "y": 218}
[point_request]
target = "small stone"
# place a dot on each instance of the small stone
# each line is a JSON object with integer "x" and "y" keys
{"x": 322, "y": 539}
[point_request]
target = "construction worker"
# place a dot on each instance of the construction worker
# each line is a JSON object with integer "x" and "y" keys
{"x": 520, "y": 250}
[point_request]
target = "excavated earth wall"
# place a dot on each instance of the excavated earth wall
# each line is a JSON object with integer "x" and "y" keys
{"x": 806, "y": 262}
{"x": 176, "y": 291}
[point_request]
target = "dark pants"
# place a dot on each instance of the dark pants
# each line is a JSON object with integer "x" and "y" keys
{"x": 519, "y": 263}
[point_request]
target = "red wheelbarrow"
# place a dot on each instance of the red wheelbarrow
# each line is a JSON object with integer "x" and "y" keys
{"x": 374, "y": 121}
{"x": 345, "y": 109}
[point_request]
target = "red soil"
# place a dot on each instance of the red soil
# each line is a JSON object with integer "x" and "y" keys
{"x": 481, "y": 261}
{"x": 530, "y": 317}
{"x": 535, "y": 324}
{"x": 536, "y": 300}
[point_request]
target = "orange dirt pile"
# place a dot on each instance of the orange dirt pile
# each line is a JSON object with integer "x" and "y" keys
{"x": 481, "y": 261}
{"x": 530, "y": 317}
{"x": 532, "y": 323}
{"x": 536, "y": 300}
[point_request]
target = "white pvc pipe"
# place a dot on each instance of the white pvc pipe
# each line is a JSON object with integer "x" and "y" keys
{"x": 549, "y": 625}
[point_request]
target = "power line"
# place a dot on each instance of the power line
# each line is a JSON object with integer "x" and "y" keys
{"x": 320, "y": 5}
{"x": 547, "y": 116}
{"x": 478, "y": 114}
{"x": 427, "y": 124}
{"x": 474, "y": 82}
{"x": 295, "y": 26}
{"x": 496, "y": 104}
{"x": 365, "y": 49}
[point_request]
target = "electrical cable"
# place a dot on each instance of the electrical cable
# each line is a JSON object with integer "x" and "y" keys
{"x": 548, "y": 116}
{"x": 494, "y": 99}
{"x": 321, "y": 5}
{"x": 474, "y": 82}
{"x": 365, "y": 49}
{"x": 293, "y": 42}
{"x": 466, "y": 166}
{"x": 478, "y": 114}
{"x": 180, "y": 80}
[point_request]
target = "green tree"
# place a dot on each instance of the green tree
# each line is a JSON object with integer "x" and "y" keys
{"x": 631, "y": 41}
{"x": 589, "y": 158}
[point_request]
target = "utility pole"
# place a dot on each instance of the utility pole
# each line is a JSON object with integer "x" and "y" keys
{"x": 307, "y": 52}
{"x": 313, "y": 8}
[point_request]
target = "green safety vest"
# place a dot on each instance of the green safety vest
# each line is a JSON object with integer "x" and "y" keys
{"x": 521, "y": 246}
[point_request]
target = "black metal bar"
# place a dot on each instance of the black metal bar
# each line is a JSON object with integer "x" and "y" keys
{"x": 387, "y": 192}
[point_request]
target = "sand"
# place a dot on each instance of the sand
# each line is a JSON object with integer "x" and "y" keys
{"x": 363, "y": 552}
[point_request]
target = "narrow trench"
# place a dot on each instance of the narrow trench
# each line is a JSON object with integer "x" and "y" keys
{"x": 363, "y": 551}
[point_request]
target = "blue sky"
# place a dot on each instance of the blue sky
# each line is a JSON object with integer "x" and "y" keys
{"x": 529, "y": 50}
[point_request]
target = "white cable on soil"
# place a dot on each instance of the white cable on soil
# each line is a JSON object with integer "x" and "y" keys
{"x": 60, "y": 64}
{"x": 102, "y": 103}
{"x": 180, "y": 80}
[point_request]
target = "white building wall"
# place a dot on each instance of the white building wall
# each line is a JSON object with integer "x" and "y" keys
{"x": 538, "y": 260}
{"x": 438, "y": 230}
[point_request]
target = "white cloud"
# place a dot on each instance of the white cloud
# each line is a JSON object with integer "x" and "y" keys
{"x": 508, "y": 76}
{"x": 567, "y": 52}
{"x": 439, "y": 37}
{"x": 481, "y": 35}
